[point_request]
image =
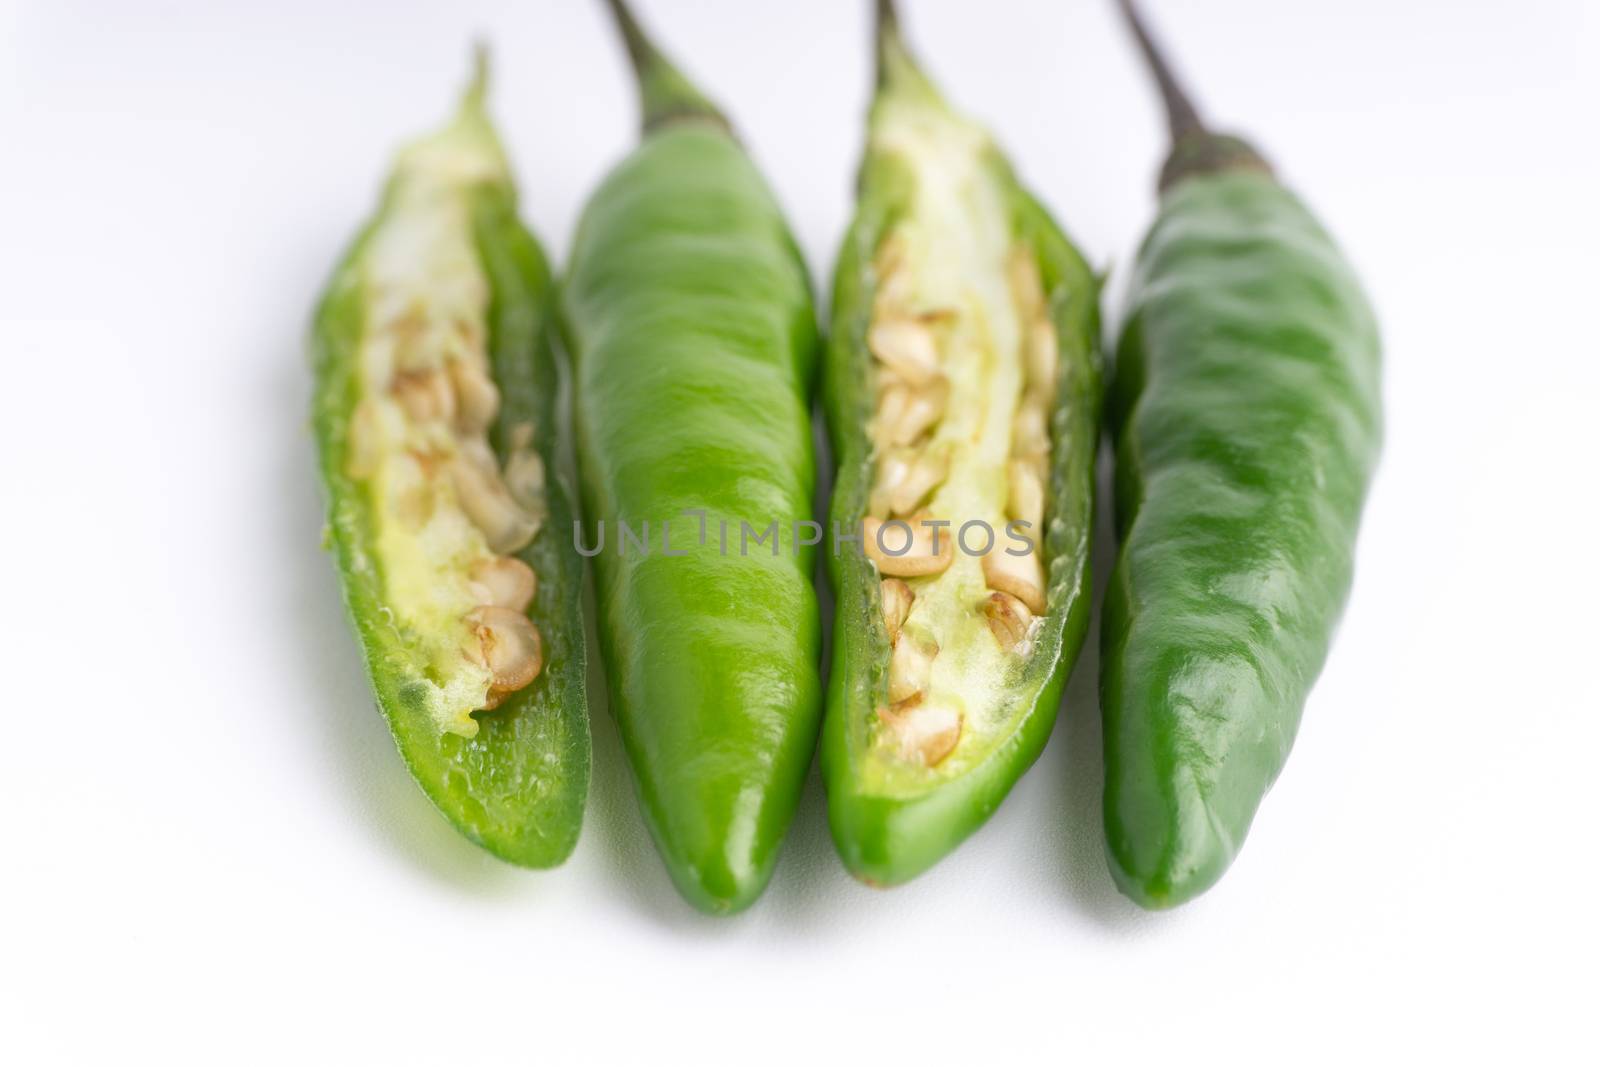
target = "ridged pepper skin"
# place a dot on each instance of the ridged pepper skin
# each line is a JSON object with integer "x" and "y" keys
{"x": 1246, "y": 415}
{"x": 889, "y": 836}
{"x": 1245, "y": 410}
{"x": 519, "y": 787}
{"x": 689, "y": 316}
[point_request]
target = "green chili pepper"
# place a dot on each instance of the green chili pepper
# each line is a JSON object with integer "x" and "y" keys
{"x": 434, "y": 414}
{"x": 1246, "y": 417}
{"x": 962, "y": 386}
{"x": 689, "y": 316}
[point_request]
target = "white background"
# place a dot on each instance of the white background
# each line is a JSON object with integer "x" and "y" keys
{"x": 212, "y": 852}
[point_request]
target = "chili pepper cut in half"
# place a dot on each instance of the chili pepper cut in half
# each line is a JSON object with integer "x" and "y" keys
{"x": 1245, "y": 409}
{"x": 962, "y": 391}
{"x": 434, "y": 413}
{"x": 689, "y": 316}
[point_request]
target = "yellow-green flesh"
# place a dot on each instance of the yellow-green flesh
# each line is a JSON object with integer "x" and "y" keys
{"x": 426, "y": 302}
{"x": 958, "y": 236}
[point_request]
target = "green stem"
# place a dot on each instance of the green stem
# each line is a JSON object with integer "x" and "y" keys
{"x": 665, "y": 95}
{"x": 475, "y": 97}
{"x": 1182, "y": 118}
{"x": 889, "y": 41}
{"x": 898, "y": 71}
{"x": 1195, "y": 148}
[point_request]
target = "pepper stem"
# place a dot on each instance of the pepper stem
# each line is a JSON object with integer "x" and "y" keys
{"x": 477, "y": 92}
{"x": 665, "y": 95}
{"x": 897, "y": 68}
{"x": 1195, "y": 148}
{"x": 1182, "y": 118}
{"x": 889, "y": 41}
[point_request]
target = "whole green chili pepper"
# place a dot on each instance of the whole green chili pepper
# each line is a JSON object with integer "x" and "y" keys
{"x": 962, "y": 386}
{"x": 434, "y": 412}
{"x": 689, "y": 316}
{"x": 1246, "y": 417}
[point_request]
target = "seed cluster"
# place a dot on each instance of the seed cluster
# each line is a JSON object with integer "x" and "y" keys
{"x": 912, "y": 392}
{"x": 431, "y": 375}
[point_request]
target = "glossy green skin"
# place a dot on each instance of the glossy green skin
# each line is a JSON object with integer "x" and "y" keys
{"x": 518, "y": 788}
{"x": 1246, "y": 413}
{"x": 888, "y": 839}
{"x": 690, "y": 319}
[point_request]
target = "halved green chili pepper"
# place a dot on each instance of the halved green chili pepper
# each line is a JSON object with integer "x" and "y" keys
{"x": 689, "y": 315}
{"x": 962, "y": 386}
{"x": 435, "y": 416}
{"x": 1246, "y": 412}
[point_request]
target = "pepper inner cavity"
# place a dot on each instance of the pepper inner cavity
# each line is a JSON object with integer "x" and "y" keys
{"x": 964, "y": 365}
{"x": 448, "y": 518}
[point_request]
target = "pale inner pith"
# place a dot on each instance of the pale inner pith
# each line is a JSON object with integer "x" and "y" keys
{"x": 448, "y": 519}
{"x": 959, "y": 333}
